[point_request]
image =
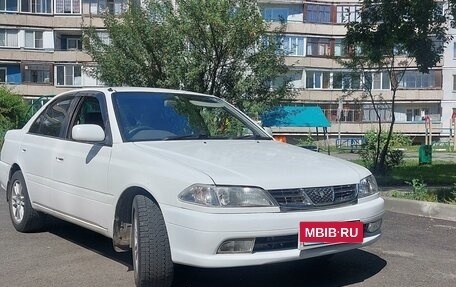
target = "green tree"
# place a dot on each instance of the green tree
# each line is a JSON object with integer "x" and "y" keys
{"x": 393, "y": 36}
{"x": 12, "y": 111}
{"x": 219, "y": 47}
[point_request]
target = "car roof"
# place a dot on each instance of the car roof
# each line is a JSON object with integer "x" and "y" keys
{"x": 109, "y": 90}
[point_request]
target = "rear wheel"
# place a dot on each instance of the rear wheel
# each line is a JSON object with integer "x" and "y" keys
{"x": 23, "y": 216}
{"x": 150, "y": 245}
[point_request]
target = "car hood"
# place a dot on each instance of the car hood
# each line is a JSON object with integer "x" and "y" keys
{"x": 267, "y": 164}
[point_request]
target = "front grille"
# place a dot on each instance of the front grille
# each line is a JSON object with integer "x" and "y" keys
{"x": 301, "y": 198}
{"x": 273, "y": 243}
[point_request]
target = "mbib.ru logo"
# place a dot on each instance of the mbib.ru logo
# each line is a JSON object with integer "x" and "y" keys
{"x": 331, "y": 232}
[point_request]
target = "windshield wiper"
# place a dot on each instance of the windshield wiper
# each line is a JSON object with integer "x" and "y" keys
{"x": 183, "y": 137}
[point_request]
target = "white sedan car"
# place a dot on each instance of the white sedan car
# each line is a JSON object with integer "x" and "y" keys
{"x": 180, "y": 177}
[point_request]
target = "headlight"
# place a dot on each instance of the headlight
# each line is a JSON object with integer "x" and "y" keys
{"x": 367, "y": 186}
{"x": 226, "y": 196}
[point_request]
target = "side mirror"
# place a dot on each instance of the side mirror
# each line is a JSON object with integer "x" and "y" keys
{"x": 268, "y": 130}
{"x": 88, "y": 133}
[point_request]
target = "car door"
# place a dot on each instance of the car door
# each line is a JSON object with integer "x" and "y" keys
{"x": 81, "y": 168}
{"x": 37, "y": 150}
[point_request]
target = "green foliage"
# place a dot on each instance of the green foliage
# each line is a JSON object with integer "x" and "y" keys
{"x": 219, "y": 47}
{"x": 306, "y": 141}
{"x": 394, "y": 157}
{"x": 12, "y": 111}
{"x": 392, "y": 36}
{"x": 420, "y": 191}
{"x": 438, "y": 174}
{"x": 390, "y": 28}
{"x": 446, "y": 195}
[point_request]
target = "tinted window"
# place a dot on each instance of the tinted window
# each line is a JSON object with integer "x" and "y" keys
{"x": 161, "y": 116}
{"x": 52, "y": 121}
{"x": 90, "y": 113}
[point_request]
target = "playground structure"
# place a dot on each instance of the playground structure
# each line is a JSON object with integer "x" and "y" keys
{"x": 447, "y": 136}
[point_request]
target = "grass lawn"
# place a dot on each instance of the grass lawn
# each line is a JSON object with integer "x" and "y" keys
{"x": 440, "y": 173}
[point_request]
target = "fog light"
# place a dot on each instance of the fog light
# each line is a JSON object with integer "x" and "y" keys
{"x": 237, "y": 246}
{"x": 374, "y": 226}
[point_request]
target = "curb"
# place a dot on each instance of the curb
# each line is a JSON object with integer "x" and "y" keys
{"x": 421, "y": 208}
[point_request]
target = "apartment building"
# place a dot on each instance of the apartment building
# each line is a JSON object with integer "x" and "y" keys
{"x": 41, "y": 43}
{"x": 41, "y": 54}
{"x": 314, "y": 34}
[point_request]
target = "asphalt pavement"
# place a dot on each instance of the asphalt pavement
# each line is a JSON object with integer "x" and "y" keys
{"x": 414, "y": 251}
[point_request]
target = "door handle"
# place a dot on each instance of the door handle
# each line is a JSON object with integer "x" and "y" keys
{"x": 59, "y": 159}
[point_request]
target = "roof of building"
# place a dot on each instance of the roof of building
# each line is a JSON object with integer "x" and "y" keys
{"x": 295, "y": 116}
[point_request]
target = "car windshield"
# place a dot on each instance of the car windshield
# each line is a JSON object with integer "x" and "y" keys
{"x": 153, "y": 116}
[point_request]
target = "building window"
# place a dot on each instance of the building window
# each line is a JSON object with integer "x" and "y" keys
{"x": 417, "y": 80}
{"x": 2, "y": 75}
{"x": 275, "y": 14}
{"x": 9, "y": 5}
{"x": 454, "y": 50}
{"x": 454, "y": 82}
{"x": 318, "y": 13}
{"x": 339, "y": 50}
{"x": 416, "y": 115}
{"x": 346, "y": 14}
{"x": 346, "y": 81}
{"x": 74, "y": 44}
{"x": 319, "y": 47}
{"x": 380, "y": 81}
{"x": 318, "y": 79}
{"x": 8, "y": 38}
{"x": 36, "y": 73}
{"x": 293, "y": 45}
{"x": 90, "y": 76}
{"x": 34, "y": 39}
{"x": 369, "y": 114}
{"x": 294, "y": 78}
{"x": 104, "y": 37}
{"x": 36, "y": 6}
{"x": 68, "y": 6}
{"x": 115, "y": 7}
{"x": 68, "y": 75}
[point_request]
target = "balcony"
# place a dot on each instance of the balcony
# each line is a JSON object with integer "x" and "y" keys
{"x": 314, "y": 95}
{"x": 41, "y": 20}
{"x": 35, "y": 90}
{"x": 22, "y": 55}
{"x": 322, "y": 29}
{"x": 71, "y": 56}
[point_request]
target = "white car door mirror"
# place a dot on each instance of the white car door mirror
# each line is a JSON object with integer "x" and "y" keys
{"x": 88, "y": 133}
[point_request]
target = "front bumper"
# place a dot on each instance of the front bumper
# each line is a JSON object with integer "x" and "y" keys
{"x": 195, "y": 236}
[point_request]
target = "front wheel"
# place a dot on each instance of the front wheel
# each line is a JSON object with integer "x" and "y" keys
{"x": 152, "y": 261}
{"x": 23, "y": 216}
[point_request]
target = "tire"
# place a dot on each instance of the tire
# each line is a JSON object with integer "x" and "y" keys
{"x": 23, "y": 216}
{"x": 151, "y": 252}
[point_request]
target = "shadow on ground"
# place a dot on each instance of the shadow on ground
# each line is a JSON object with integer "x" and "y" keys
{"x": 89, "y": 240}
{"x": 342, "y": 269}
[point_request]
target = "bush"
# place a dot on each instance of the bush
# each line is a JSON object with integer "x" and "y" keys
{"x": 420, "y": 191}
{"x": 394, "y": 157}
{"x": 13, "y": 111}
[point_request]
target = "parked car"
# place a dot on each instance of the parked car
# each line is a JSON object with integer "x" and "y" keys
{"x": 180, "y": 177}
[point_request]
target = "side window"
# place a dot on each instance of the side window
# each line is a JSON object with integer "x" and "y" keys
{"x": 52, "y": 121}
{"x": 89, "y": 112}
